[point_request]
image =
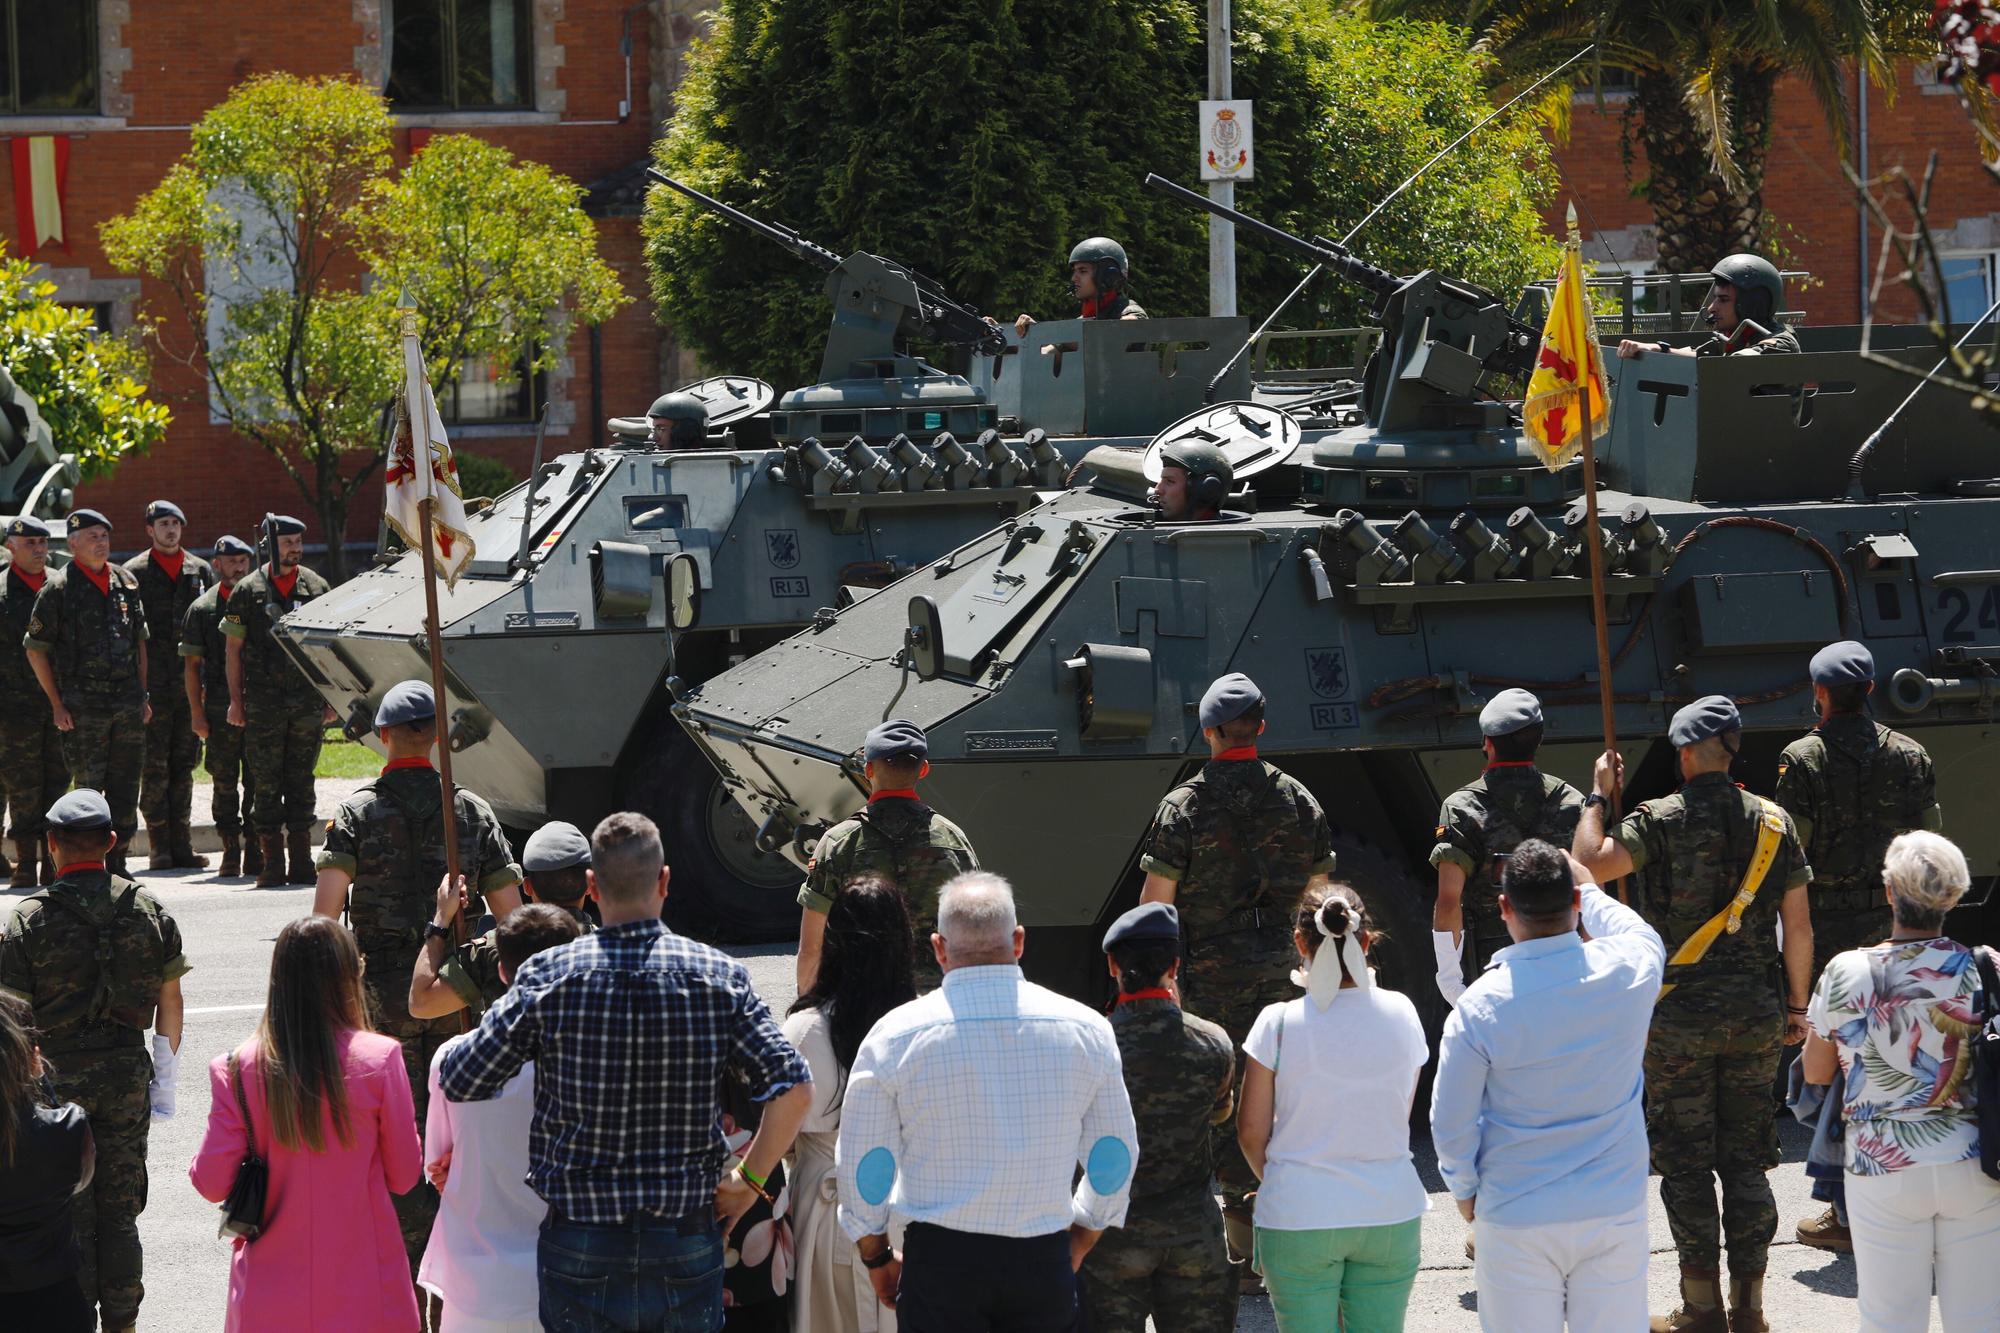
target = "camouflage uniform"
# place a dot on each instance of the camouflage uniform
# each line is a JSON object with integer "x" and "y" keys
{"x": 389, "y": 836}
{"x": 31, "y": 755}
{"x": 1482, "y": 823}
{"x": 93, "y": 1021}
{"x": 909, "y": 844}
{"x": 1713, "y": 1050}
{"x": 93, "y": 645}
{"x": 1781, "y": 341}
{"x": 1242, "y": 840}
{"x": 1168, "y": 1260}
{"x": 283, "y": 710}
{"x": 167, "y": 797}
{"x": 201, "y": 637}
{"x": 472, "y": 970}
{"x": 1851, "y": 786}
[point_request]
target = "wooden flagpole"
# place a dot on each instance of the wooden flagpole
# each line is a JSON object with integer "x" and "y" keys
{"x": 1594, "y": 541}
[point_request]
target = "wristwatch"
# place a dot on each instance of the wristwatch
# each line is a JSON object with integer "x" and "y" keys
{"x": 434, "y": 931}
{"x": 1596, "y": 798}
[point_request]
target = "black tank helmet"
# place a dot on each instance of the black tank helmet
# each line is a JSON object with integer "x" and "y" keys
{"x": 689, "y": 416}
{"x": 1208, "y": 468}
{"x": 1109, "y": 267}
{"x": 1760, "y": 292}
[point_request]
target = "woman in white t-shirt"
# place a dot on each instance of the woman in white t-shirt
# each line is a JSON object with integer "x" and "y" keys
{"x": 1325, "y": 1123}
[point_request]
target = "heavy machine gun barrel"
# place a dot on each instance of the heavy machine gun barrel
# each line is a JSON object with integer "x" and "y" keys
{"x": 770, "y": 231}
{"x": 1320, "y": 250}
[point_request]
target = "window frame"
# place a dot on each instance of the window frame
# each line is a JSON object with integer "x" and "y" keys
{"x": 536, "y": 384}
{"x": 1989, "y": 261}
{"x": 453, "y": 103}
{"x": 10, "y": 103}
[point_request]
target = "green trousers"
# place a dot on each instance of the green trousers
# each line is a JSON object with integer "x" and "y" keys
{"x": 1356, "y": 1279}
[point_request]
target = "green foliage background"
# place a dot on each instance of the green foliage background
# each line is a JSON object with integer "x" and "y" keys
{"x": 978, "y": 142}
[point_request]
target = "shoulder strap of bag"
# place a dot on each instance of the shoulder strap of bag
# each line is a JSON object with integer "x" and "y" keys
{"x": 1770, "y": 834}
{"x": 1989, "y": 983}
{"x": 242, "y": 1102}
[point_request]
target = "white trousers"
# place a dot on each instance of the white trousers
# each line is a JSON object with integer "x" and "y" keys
{"x": 1916, "y": 1224}
{"x": 1591, "y": 1273}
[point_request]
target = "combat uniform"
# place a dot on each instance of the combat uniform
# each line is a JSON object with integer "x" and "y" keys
{"x": 472, "y": 970}
{"x": 92, "y": 636}
{"x": 1781, "y": 341}
{"x": 31, "y": 753}
{"x": 90, "y": 954}
{"x": 389, "y": 837}
{"x": 1481, "y": 824}
{"x": 167, "y": 796}
{"x": 202, "y": 638}
{"x": 1719, "y": 1026}
{"x": 283, "y": 711}
{"x": 1851, "y": 786}
{"x": 906, "y": 842}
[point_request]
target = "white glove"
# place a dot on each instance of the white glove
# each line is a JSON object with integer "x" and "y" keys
{"x": 165, "y": 1066}
{"x": 1451, "y": 981}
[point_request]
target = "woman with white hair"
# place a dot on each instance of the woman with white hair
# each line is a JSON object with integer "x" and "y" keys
{"x": 1897, "y": 1018}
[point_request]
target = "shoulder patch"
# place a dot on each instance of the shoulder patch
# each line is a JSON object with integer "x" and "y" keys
{"x": 1438, "y": 832}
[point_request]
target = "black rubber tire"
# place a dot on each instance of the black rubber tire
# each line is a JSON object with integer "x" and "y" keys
{"x": 670, "y": 781}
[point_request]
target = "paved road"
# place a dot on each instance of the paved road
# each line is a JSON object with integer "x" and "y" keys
{"x": 229, "y": 928}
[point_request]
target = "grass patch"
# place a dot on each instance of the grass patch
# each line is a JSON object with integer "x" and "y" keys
{"x": 340, "y": 759}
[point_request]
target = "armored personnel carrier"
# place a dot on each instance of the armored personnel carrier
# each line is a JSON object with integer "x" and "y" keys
{"x": 36, "y": 478}
{"x": 616, "y": 565}
{"x": 1381, "y": 571}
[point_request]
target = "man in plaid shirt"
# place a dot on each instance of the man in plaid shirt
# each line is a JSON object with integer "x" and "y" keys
{"x": 630, "y": 1031}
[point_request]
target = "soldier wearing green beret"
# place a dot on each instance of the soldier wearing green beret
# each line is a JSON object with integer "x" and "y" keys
{"x": 31, "y": 755}
{"x": 205, "y": 682}
{"x": 171, "y": 579}
{"x": 1718, "y": 870}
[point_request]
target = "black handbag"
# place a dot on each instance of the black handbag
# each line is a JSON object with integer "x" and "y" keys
{"x": 243, "y": 1210}
{"x": 1986, "y": 1063}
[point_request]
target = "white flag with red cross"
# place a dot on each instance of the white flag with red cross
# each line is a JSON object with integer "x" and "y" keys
{"x": 421, "y": 467}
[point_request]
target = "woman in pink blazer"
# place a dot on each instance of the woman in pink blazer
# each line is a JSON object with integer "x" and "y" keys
{"x": 330, "y": 1111}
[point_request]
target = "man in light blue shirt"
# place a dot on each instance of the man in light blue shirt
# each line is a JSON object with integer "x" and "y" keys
{"x": 1538, "y": 1111}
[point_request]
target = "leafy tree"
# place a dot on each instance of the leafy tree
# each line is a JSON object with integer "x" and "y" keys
{"x": 285, "y": 239}
{"x": 86, "y": 383}
{"x": 978, "y": 143}
{"x": 1705, "y": 73}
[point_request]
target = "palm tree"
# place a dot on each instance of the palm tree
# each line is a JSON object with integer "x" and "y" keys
{"x": 1704, "y": 73}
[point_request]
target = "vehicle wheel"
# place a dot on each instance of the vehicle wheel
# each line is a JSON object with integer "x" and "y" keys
{"x": 1399, "y": 911}
{"x": 723, "y": 889}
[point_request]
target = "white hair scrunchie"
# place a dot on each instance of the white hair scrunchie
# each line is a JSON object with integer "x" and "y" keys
{"x": 1322, "y": 979}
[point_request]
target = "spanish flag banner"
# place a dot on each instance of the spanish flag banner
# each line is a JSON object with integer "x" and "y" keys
{"x": 41, "y": 179}
{"x": 1569, "y": 360}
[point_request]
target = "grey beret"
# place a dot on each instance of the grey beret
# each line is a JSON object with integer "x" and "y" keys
{"x": 898, "y": 738}
{"x": 411, "y": 701}
{"x": 1710, "y": 715}
{"x": 164, "y": 509}
{"x": 1146, "y": 922}
{"x": 555, "y": 846}
{"x": 83, "y": 519}
{"x": 1843, "y": 663}
{"x": 1229, "y": 698}
{"x": 1508, "y": 712}
{"x": 27, "y": 525}
{"x": 80, "y": 809}
{"x": 227, "y": 545}
{"x": 286, "y": 526}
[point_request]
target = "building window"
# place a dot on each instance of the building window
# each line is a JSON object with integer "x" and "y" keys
{"x": 1613, "y": 83}
{"x": 1968, "y": 284}
{"x": 99, "y": 312}
{"x": 458, "y": 55}
{"x": 48, "y": 56}
{"x": 491, "y": 393}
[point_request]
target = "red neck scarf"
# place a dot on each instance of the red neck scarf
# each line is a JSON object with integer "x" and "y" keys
{"x": 1150, "y": 993}
{"x": 905, "y": 793}
{"x": 1100, "y": 307}
{"x": 1510, "y": 763}
{"x": 284, "y": 583}
{"x": 32, "y": 582}
{"x": 1240, "y": 754}
{"x": 64, "y": 872}
{"x": 170, "y": 564}
{"x": 100, "y": 577}
{"x": 410, "y": 761}
{"x": 227, "y": 588}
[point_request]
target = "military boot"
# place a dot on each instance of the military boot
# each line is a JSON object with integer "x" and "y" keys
{"x": 1746, "y": 1304}
{"x": 273, "y": 873}
{"x": 6, "y": 866}
{"x": 185, "y": 856}
{"x": 1700, "y": 1310}
{"x": 232, "y": 856}
{"x": 253, "y": 852}
{"x": 159, "y": 848}
{"x": 48, "y": 862}
{"x": 302, "y": 858}
{"x": 23, "y": 876}
{"x": 1826, "y": 1233}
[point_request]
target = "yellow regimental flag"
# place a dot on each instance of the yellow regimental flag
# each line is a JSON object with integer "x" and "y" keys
{"x": 1569, "y": 358}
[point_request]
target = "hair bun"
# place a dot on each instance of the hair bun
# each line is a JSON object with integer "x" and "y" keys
{"x": 1333, "y": 917}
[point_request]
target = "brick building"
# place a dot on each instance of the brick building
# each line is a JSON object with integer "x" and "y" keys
{"x": 106, "y": 90}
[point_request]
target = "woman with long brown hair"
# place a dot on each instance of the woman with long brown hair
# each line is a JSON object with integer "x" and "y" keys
{"x": 45, "y": 1159}
{"x": 330, "y": 1111}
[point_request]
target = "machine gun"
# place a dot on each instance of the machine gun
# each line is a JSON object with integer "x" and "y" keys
{"x": 875, "y": 301}
{"x": 35, "y": 477}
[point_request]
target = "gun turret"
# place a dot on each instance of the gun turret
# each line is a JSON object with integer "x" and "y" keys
{"x": 770, "y": 231}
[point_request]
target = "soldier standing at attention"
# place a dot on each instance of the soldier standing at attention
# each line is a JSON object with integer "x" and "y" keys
{"x": 205, "y": 681}
{"x": 386, "y": 844}
{"x": 31, "y": 754}
{"x": 99, "y": 961}
{"x": 1232, "y": 848}
{"x": 86, "y": 642}
{"x": 556, "y": 863}
{"x": 1194, "y": 481}
{"x": 1168, "y": 1261}
{"x": 1479, "y": 827}
{"x": 1097, "y": 272}
{"x": 170, "y": 581}
{"x": 1720, "y": 868}
{"x": 1851, "y": 786}
{"x": 279, "y": 710}
{"x": 895, "y": 836}
{"x": 679, "y": 422}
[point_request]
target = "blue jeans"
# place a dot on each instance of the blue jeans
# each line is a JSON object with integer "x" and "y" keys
{"x": 647, "y": 1275}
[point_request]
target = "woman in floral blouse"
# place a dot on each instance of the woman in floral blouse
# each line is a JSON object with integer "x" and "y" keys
{"x": 1895, "y": 1020}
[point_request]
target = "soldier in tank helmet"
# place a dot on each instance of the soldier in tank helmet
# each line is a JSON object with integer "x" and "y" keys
{"x": 680, "y": 421}
{"x": 100, "y": 963}
{"x": 1098, "y": 273}
{"x": 383, "y": 861}
{"x": 31, "y": 754}
{"x": 1718, "y": 869}
{"x": 171, "y": 579}
{"x": 1168, "y": 1261}
{"x": 1478, "y": 828}
{"x": 1742, "y": 308}
{"x": 895, "y": 836}
{"x": 205, "y": 682}
{"x": 1194, "y": 480}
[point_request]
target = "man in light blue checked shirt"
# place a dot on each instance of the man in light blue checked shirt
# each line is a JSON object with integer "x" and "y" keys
{"x": 968, "y": 1113}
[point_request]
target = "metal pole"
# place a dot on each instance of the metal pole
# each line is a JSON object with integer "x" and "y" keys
{"x": 1593, "y": 540}
{"x": 1221, "y": 233}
